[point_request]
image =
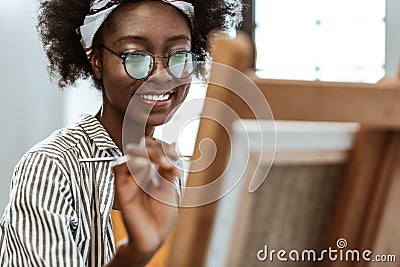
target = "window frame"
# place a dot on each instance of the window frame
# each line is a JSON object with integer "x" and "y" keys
{"x": 392, "y": 49}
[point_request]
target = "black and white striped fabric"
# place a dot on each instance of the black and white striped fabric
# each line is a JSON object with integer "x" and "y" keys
{"x": 59, "y": 209}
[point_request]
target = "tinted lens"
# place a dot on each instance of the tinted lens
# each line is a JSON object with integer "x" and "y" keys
{"x": 138, "y": 65}
{"x": 182, "y": 64}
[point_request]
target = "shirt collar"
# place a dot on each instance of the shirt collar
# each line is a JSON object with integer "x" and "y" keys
{"x": 97, "y": 133}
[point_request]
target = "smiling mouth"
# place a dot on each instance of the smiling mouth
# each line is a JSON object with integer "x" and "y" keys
{"x": 157, "y": 98}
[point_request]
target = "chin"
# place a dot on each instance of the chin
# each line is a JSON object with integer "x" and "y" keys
{"x": 159, "y": 119}
{"x": 143, "y": 118}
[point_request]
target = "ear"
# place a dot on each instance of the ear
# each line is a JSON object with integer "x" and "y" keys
{"x": 95, "y": 61}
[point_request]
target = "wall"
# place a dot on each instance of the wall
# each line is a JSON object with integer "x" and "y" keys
{"x": 30, "y": 107}
{"x": 392, "y": 37}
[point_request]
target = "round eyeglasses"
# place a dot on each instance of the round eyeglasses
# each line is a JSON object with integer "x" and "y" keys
{"x": 140, "y": 64}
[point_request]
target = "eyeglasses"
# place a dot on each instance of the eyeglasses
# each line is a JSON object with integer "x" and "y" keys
{"x": 140, "y": 64}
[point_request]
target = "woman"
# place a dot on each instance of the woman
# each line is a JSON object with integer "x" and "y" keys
{"x": 60, "y": 204}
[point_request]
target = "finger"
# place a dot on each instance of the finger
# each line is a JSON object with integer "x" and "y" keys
{"x": 143, "y": 171}
{"x": 138, "y": 226}
{"x": 140, "y": 169}
{"x": 125, "y": 183}
{"x": 153, "y": 153}
{"x": 135, "y": 149}
{"x": 149, "y": 225}
{"x": 168, "y": 174}
{"x": 120, "y": 169}
{"x": 168, "y": 150}
{"x": 145, "y": 181}
{"x": 168, "y": 192}
{"x": 147, "y": 220}
{"x": 162, "y": 167}
{"x": 132, "y": 165}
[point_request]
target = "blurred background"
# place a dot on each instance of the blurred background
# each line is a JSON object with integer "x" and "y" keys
{"x": 310, "y": 40}
{"x": 355, "y": 41}
{"x": 32, "y": 106}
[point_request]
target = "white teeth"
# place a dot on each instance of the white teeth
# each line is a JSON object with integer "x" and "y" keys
{"x": 155, "y": 97}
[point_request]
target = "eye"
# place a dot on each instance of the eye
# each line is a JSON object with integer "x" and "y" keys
{"x": 182, "y": 64}
{"x": 138, "y": 64}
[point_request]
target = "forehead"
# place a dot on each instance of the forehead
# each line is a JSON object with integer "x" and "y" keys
{"x": 152, "y": 20}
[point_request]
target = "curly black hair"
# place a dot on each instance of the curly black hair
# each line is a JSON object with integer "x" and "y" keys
{"x": 59, "y": 19}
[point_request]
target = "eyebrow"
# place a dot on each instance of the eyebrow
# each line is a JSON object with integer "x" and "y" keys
{"x": 131, "y": 38}
{"x": 145, "y": 40}
{"x": 178, "y": 38}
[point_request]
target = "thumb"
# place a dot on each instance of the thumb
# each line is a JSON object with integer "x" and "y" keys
{"x": 120, "y": 168}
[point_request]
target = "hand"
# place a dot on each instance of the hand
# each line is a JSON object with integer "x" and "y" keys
{"x": 147, "y": 220}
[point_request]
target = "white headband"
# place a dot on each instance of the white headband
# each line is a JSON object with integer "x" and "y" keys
{"x": 99, "y": 11}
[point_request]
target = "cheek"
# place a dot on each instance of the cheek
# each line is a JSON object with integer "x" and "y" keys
{"x": 118, "y": 86}
{"x": 113, "y": 74}
{"x": 182, "y": 93}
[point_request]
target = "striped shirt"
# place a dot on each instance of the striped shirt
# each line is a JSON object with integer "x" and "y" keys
{"x": 59, "y": 209}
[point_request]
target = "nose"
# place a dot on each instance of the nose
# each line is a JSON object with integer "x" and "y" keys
{"x": 160, "y": 73}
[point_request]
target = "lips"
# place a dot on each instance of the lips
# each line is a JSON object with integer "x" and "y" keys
{"x": 156, "y": 98}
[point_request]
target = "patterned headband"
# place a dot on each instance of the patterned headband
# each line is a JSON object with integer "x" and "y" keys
{"x": 99, "y": 11}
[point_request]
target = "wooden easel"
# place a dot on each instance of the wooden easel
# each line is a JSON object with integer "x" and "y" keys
{"x": 366, "y": 212}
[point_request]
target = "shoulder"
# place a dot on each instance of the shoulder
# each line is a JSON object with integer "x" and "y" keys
{"x": 59, "y": 142}
{"x": 61, "y": 147}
